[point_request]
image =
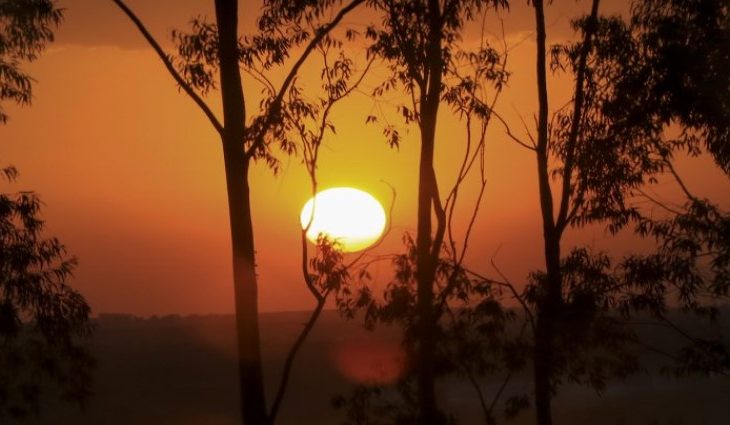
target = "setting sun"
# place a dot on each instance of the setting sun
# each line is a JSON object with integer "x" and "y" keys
{"x": 350, "y": 216}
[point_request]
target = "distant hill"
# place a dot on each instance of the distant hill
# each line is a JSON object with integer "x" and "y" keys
{"x": 176, "y": 370}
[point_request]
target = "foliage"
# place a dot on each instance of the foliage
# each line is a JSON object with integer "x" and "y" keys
{"x": 211, "y": 56}
{"x": 473, "y": 334}
{"x": 373, "y": 405}
{"x": 283, "y": 27}
{"x": 25, "y": 29}
{"x": 679, "y": 51}
{"x": 450, "y": 321}
{"x": 636, "y": 83}
{"x": 685, "y": 55}
{"x": 403, "y": 40}
{"x": 43, "y": 321}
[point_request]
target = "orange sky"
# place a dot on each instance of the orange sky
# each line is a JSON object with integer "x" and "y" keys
{"x": 132, "y": 174}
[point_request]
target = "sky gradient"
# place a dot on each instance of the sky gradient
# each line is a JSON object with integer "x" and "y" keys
{"x": 131, "y": 172}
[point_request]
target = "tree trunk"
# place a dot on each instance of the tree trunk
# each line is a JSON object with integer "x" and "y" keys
{"x": 549, "y": 303}
{"x": 253, "y": 402}
{"x": 425, "y": 279}
{"x": 426, "y": 247}
{"x": 545, "y": 331}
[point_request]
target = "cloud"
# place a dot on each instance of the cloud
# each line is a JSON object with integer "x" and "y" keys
{"x": 102, "y": 23}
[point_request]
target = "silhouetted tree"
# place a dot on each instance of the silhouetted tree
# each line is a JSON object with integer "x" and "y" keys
{"x": 325, "y": 273}
{"x": 675, "y": 107}
{"x": 26, "y": 26}
{"x": 550, "y": 298}
{"x": 213, "y": 50}
{"x": 607, "y": 145}
{"x": 43, "y": 321}
{"x": 431, "y": 297}
{"x": 417, "y": 39}
{"x": 474, "y": 342}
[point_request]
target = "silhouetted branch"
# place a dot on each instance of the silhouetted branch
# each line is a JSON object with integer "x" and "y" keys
{"x": 480, "y": 395}
{"x": 385, "y": 233}
{"x": 261, "y": 78}
{"x": 506, "y": 282}
{"x": 472, "y": 219}
{"x": 500, "y": 391}
{"x": 658, "y": 202}
{"x": 578, "y": 105}
{"x": 440, "y": 213}
{"x": 311, "y": 147}
{"x": 276, "y": 103}
{"x": 289, "y": 363}
{"x": 679, "y": 180}
{"x": 512, "y": 136}
{"x": 170, "y": 67}
{"x": 479, "y": 153}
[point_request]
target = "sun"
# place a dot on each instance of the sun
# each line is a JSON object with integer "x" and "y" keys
{"x": 352, "y": 217}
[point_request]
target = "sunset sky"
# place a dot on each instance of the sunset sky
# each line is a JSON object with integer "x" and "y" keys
{"x": 132, "y": 173}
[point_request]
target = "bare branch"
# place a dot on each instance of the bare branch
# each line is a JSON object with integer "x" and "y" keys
{"x": 480, "y": 395}
{"x": 308, "y": 326}
{"x": 283, "y": 383}
{"x": 578, "y": 106}
{"x": 261, "y": 78}
{"x": 385, "y": 233}
{"x": 170, "y": 67}
{"x": 506, "y": 380}
{"x": 679, "y": 180}
{"x": 512, "y": 289}
{"x": 512, "y": 135}
{"x": 659, "y": 203}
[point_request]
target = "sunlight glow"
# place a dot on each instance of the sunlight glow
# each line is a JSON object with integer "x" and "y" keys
{"x": 352, "y": 217}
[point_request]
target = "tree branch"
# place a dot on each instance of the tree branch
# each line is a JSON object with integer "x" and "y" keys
{"x": 511, "y": 135}
{"x": 283, "y": 383}
{"x": 275, "y": 105}
{"x": 578, "y": 105}
{"x": 170, "y": 67}
{"x": 679, "y": 180}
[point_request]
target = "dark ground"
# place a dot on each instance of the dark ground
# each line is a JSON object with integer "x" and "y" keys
{"x": 182, "y": 371}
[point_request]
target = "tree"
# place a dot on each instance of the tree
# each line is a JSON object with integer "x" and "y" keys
{"x": 26, "y": 26}
{"x": 693, "y": 246}
{"x": 43, "y": 320}
{"x": 607, "y": 145}
{"x": 413, "y": 40}
{"x": 326, "y": 273}
{"x": 418, "y": 41}
{"x": 550, "y": 301}
{"x": 685, "y": 58}
{"x": 215, "y": 48}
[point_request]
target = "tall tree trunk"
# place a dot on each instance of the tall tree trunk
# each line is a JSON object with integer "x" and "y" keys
{"x": 427, "y": 249}
{"x": 253, "y": 402}
{"x": 425, "y": 279}
{"x": 545, "y": 331}
{"x": 549, "y": 304}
